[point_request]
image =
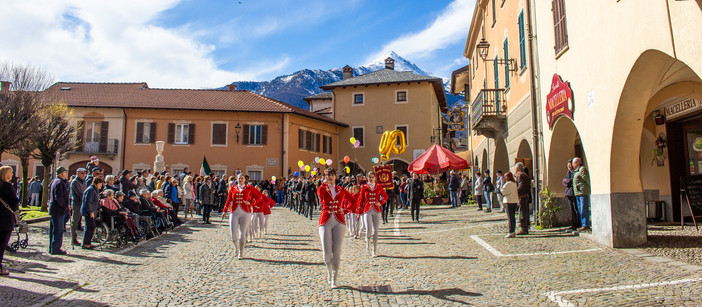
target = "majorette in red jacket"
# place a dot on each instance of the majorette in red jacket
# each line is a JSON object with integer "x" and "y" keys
{"x": 236, "y": 198}
{"x": 265, "y": 205}
{"x": 370, "y": 198}
{"x": 333, "y": 205}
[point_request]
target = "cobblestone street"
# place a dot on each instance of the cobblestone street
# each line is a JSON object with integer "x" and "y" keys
{"x": 453, "y": 257}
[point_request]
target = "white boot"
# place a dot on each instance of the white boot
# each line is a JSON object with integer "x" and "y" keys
{"x": 368, "y": 244}
{"x": 375, "y": 247}
{"x": 334, "y": 276}
{"x": 240, "y": 250}
{"x": 236, "y": 249}
{"x": 329, "y": 274}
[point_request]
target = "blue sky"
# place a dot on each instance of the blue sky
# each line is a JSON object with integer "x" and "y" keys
{"x": 199, "y": 44}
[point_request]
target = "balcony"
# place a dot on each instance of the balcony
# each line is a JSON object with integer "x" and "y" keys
{"x": 489, "y": 113}
{"x": 97, "y": 146}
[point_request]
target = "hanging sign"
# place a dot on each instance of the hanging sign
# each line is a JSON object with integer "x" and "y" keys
{"x": 681, "y": 108}
{"x": 559, "y": 102}
{"x": 456, "y": 118}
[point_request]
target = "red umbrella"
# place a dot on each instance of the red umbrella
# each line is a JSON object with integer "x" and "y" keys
{"x": 437, "y": 160}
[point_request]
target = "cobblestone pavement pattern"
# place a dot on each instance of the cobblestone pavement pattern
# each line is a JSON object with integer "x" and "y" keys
{"x": 454, "y": 257}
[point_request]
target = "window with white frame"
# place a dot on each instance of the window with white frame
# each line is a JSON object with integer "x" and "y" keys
{"x": 256, "y": 176}
{"x": 255, "y": 134}
{"x": 358, "y": 99}
{"x": 401, "y": 96}
{"x": 182, "y": 131}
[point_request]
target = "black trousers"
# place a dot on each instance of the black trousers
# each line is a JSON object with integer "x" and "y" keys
{"x": 4, "y": 239}
{"x": 89, "y": 230}
{"x": 414, "y": 208}
{"x": 386, "y": 210}
{"x": 206, "y": 211}
{"x": 511, "y": 210}
{"x": 574, "y": 212}
{"x": 524, "y": 213}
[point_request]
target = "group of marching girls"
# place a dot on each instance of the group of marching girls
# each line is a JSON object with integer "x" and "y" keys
{"x": 247, "y": 206}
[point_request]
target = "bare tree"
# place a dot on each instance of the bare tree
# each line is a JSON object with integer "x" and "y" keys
{"x": 20, "y": 105}
{"x": 55, "y": 136}
{"x": 24, "y": 151}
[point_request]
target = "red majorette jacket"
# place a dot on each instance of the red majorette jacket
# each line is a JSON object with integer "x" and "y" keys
{"x": 370, "y": 198}
{"x": 236, "y": 198}
{"x": 265, "y": 205}
{"x": 333, "y": 205}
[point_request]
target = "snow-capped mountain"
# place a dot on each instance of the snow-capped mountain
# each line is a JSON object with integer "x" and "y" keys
{"x": 296, "y": 86}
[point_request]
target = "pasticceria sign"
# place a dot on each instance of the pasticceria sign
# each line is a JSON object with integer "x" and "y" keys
{"x": 559, "y": 101}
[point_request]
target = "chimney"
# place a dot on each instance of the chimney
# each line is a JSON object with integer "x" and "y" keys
{"x": 5, "y": 86}
{"x": 231, "y": 87}
{"x": 348, "y": 72}
{"x": 390, "y": 63}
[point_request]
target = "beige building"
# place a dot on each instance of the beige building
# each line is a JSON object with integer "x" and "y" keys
{"x": 387, "y": 100}
{"x": 497, "y": 85}
{"x": 235, "y": 130}
{"x": 321, "y": 104}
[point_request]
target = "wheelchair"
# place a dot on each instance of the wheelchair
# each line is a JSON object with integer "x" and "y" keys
{"x": 20, "y": 229}
{"x": 159, "y": 224}
{"x": 113, "y": 229}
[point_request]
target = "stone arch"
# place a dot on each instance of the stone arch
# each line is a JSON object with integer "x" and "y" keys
{"x": 564, "y": 145}
{"x": 501, "y": 159}
{"x": 524, "y": 155}
{"x": 399, "y": 165}
{"x": 483, "y": 161}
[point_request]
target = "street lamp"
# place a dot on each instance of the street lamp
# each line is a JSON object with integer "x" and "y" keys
{"x": 237, "y": 129}
{"x": 483, "y": 49}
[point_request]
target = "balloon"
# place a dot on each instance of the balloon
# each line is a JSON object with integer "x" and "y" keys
{"x": 356, "y": 144}
{"x": 321, "y": 161}
{"x": 352, "y": 140}
{"x": 347, "y": 169}
{"x": 329, "y": 162}
{"x": 297, "y": 174}
{"x": 313, "y": 173}
{"x": 273, "y": 181}
{"x": 300, "y": 163}
{"x": 273, "y": 178}
{"x": 316, "y": 159}
{"x": 347, "y": 159}
{"x": 374, "y": 160}
{"x": 302, "y": 167}
{"x": 388, "y": 143}
{"x": 307, "y": 168}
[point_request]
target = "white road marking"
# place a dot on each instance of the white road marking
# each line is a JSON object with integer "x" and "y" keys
{"x": 497, "y": 253}
{"x": 396, "y": 223}
{"x": 557, "y": 298}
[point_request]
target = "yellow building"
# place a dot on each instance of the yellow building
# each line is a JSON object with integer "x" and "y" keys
{"x": 385, "y": 100}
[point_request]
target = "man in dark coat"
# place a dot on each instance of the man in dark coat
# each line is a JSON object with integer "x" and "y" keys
{"x": 415, "y": 188}
{"x": 309, "y": 195}
{"x": 127, "y": 183}
{"x": 524, "y": 193}
{"x": 58, "y": 208}
{"x": 454, "y": 185}
{"x": 77, "y": 189}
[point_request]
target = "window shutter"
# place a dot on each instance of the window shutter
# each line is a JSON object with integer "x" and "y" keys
{"x": 506, "y": 52}
{"x": 300, "y": 136}
{"x": 264, "y": 135}
{"x": 246, "y": 135}
{"x": 330, "y": 145}
{"x": 152, "y": 133}
{"x": 80, "y": 135}
{"x": 191, "y": 134}
{"x": 171, "y": 133}
{"x": 140, "y": 133}
{"x": 316, "y": 144}
{"x": 324, "y": 144}
{"x": 309, "y": 141}
{"x": 103, "y": 136}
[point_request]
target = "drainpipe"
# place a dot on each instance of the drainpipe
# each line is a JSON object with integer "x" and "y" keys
{"x": 534, "y": 114}
{"x": 282, "y": 145}
{"x": 124, "y": 136}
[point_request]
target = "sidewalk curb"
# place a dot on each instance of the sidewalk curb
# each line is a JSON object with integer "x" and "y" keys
{"x": 38, "y": 220}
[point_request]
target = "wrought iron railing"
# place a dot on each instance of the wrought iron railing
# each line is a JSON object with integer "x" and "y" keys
{"x": 97, "y": 146}
{"x": 488, "y": 102}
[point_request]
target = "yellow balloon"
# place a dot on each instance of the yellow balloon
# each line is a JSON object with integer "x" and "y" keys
{"x": 307, "y": 168}
{"x": 352, "y": 140}
{"x": 347, "y": 169}
{"x": 313, "y": 173}
{"x": 388, "y": 143}
{"x": 300, "y": 163}
{"x": 322, "y": 161}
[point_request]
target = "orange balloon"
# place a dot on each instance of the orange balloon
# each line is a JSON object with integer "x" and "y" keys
{"x": 347, "y": 159}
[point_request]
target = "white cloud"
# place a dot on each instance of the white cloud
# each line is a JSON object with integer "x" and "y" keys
{"x": 82, "y": 40}
{"x": 449, "y": 27}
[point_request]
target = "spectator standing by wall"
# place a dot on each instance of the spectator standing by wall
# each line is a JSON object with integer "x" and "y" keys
{"x": 478, "y": 189}
{"x": 35, "y": 192}
{"x": 499, "y": 182}
{"x": 488, "y": 190}
{"x": 454, "y": 188}
{"x": 510, "y": 199}
{"x": 581, "y": 190}
{"x": 524, "y": 192}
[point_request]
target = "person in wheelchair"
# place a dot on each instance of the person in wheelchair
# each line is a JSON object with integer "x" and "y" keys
{"x": 142, "y": 219}
{"x": 110, "y": 207}
{"x": 148, "y": 207}
{"x": 156, "y": 197}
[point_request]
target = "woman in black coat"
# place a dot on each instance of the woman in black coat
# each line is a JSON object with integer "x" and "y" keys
{"x": 7, "y": 218}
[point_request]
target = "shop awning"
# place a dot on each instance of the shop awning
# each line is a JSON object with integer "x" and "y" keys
{"x": 437, "y": 160}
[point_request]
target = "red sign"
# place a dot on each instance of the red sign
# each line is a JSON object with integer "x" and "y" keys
{"x": 559, "y": 102}
{"x": 383, "y": 174}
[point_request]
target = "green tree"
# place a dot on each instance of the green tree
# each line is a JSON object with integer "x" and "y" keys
{"x": 55, "y": 136}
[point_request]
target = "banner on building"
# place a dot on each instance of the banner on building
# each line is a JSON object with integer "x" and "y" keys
{"x": 559, "y": 101}
{"x": 383, "y": 175}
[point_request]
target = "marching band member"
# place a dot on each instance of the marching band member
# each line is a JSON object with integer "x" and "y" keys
{"x": 240, "y": 203}
{"x": 371, "y": 199}
{"x": 268, "y": 203}
{"x": 331, "y": 223}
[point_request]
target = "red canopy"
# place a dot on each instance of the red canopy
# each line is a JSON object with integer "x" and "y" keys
{"x": 437, "y": 160}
